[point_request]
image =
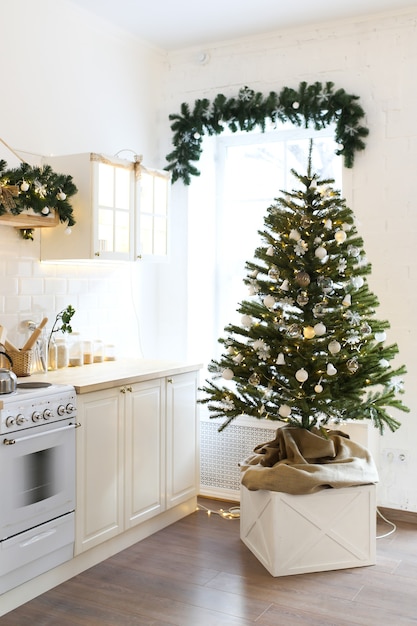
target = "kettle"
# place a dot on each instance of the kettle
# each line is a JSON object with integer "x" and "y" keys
{"x": 8, "y": 379}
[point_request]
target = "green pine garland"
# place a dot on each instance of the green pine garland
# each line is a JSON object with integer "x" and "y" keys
{"x": 36, "y": 188}
{"x": 315, "y": 104}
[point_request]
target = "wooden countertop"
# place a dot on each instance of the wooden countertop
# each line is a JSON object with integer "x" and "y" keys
{"x": 112, "y": 373}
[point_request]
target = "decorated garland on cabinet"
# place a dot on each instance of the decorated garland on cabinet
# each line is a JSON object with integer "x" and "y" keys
{"x": 315, "y": 104}
{"x": 36, "y": 188}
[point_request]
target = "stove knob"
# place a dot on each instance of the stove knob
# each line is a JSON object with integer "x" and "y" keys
{"x": 60, "y": 410}
{"x": 70, "y": 408}
{"x": 47, "y": 414}
{"x": 36, "y": 416}
{"x": 20, "y": 419}
{"x": 10, "y": 421}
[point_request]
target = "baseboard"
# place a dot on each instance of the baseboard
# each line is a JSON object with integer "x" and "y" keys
{"x": 398, "y": 515}
{"x": 228, "y": 495}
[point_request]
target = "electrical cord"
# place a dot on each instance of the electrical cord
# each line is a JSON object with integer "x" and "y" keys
{"x": 390, "y": 532}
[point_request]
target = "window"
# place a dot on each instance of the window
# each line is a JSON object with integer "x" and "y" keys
{"x": 241, "y": 175}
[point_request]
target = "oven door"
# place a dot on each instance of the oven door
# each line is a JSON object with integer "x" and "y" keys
{"x": 37, "y": 468}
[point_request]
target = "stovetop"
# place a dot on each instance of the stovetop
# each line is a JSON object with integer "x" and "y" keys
{"x": 35, "y": 404}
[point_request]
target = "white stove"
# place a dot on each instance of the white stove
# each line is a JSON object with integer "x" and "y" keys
{"x": 37, "y": 459}
{"x": 35, "y": 404}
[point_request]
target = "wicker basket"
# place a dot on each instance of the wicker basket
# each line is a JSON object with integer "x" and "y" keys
{"x": 22, "y": 362}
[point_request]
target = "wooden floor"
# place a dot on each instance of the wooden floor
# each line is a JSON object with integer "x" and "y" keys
{"x": 197, "y": 572}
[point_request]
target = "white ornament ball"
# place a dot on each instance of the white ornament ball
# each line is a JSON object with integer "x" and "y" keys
{"x": 320, "y": 252}
{"x": 334, "y": 347}
{"x": 295, "y": 105}
{"x": 384, "y": 363}
{"x": 269, "y": 302}
{"x": 45, "y": 210}
{"x": 246, "y": 321}
{"x": 284, "y": 410}
{"x": 318, "y": 388}
{"x": 24, "y": 186}
{"x": 340, "y": 236}
{"x": 357, "y": 282}
{"x": 61, "y": 195}
{"x": 68, "y": 231}
{"x": 227, "y": 374}
{"x": 320, "y": 329}
{"x": 380, "y": 337}
{"x": 301, "y": 375}
{"x": 331, "y": 370}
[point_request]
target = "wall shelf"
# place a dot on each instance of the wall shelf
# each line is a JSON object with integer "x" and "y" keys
{"x": 28, "y": 220}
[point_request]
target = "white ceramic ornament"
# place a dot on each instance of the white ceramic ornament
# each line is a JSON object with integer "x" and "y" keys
{"x": 328, "y": 224}
{"x": 295, "y": 105}
{"x": 384, "y": 363}
{"x": 269, "y": 302}
{"x": 270, "y": 251}
{"x": 280, "y": 359}
{"x": 45, "y": 210}
{"x": 301, "y": 375}
{"x": 238, "y": 359}
{"x": 24, "y": 186}
{"x": 357, "y": 282}
{"x": 246, "y": 321}
{"x": 227, "y": 374}
{"x": 347, "y": 300}
{"x": 61, "y": 195}
{"x": 284, "y": 410}
{"x": 380, "y": 337}
{"x": 334, "y": 347}
{"x": 284, "y": 285}
{"x": 320, "y": 329}
{"x": 294, "y": 234}
{"x": 320, "y": 252}
{"x": 318, "y": 388}
{"x": 331, "y": 370}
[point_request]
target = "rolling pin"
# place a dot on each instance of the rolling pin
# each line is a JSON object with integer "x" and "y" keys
{"x": 34, "y": 336}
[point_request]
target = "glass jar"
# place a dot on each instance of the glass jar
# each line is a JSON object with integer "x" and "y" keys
{"x": 76, "y": 351}
{"x": 88, "y": 356}
{"x": 52, "y": 355}
{"x": 98, "y": 351}
{"x": 62, "y": 353}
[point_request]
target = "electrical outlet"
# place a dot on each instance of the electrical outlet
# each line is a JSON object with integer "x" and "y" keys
{"x": 394, "y": 456}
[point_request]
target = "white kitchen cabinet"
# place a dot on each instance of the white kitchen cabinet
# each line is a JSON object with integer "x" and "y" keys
{"x": 100, "y": 458}
{"x": 121, "y": 211}
{"x": 183, "y": 468}
{"x": 137, "y": 455}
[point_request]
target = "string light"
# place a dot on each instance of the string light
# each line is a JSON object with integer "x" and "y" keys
{"x": 231, "y": 513}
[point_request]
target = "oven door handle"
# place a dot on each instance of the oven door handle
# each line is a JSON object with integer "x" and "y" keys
{"x": 11, "y": 442}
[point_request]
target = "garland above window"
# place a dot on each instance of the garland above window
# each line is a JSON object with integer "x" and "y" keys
{"x": 38, "y": 189}
{"x": 317, "y": 105}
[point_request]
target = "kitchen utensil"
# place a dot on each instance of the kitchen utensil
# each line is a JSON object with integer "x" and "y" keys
{"x": 8, "y": 379}
{"x": 34, "y": 336}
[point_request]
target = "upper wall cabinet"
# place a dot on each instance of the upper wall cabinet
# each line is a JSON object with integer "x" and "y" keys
{"x": 121, "y": 211}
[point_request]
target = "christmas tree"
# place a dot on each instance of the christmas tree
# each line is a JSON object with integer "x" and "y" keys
{"x": 309, "y": 349}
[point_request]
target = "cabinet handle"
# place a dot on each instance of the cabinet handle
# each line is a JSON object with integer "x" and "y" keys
{"x": 124, "y": 389}
{"x": 169, "y": 380}
{"x": 96, "y": 253}
{"x": 129, "y": 389}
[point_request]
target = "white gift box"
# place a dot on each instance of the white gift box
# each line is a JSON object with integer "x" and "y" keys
{"x": 327, "y": 530}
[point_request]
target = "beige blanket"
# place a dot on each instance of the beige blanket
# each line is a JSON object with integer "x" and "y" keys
{"x": 299, "y": 461}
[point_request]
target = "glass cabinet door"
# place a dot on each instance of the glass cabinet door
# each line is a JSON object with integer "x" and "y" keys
{"x": 114, "y": 191}
{"x": 153, "y": 212}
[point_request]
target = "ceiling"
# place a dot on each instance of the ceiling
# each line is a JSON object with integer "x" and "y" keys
{"x": 176, "y": 24}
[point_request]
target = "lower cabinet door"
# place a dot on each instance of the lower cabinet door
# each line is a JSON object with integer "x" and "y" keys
{"x": 100, "y": 441}
{"x": 144, "y": 451}
{"x": 182, "y": 448}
